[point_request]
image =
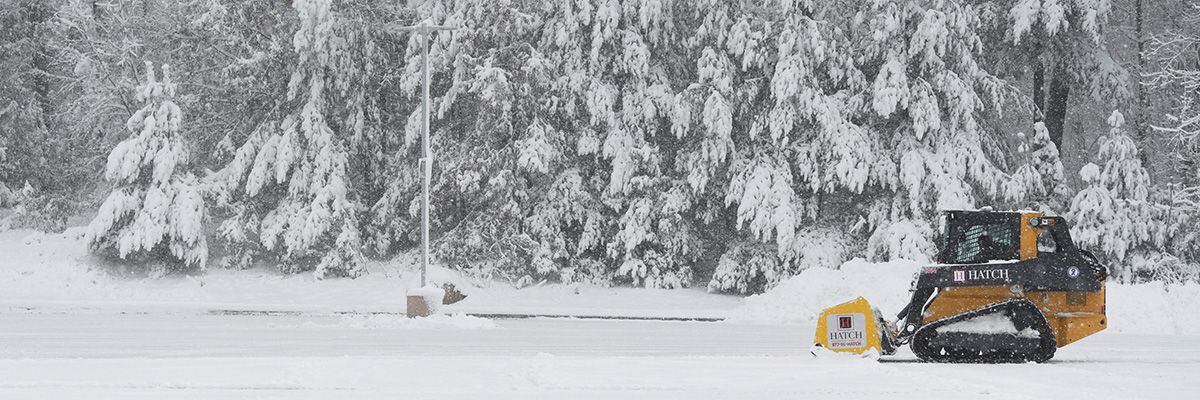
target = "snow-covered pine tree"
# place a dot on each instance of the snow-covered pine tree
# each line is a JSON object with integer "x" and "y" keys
{"x": 1026, "y": 183}
{"x": 488, "y": 145}
{"x": 7, "y": 197}
{"x": 1038, "y": 181}
{"x": 1056, "y": 196}
{"x": 242, "y": 54}
{"x": 1177, "y": 72}
{"x": 155, "y": 212}
{"x": 25, "y": 94}
{"x": 635, "y": 52}
{"x": 551, "y": 152}
{"x": 872, "y": 123}
{"x": 288, "y": 185}
{"x": 619, "y": 127}
{"x": 1060, "y": 46}
{"x": 778, "y": 69}
{"x": 98, "y": 49}
{"x": 1114, "y": 216}
{"x": 929, "y": 99}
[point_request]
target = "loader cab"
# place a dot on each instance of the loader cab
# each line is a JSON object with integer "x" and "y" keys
{"x": 977, "y": 237}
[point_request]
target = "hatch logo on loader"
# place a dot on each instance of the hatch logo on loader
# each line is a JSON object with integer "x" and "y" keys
{"x": 847, "y": 331}
{"x": 974, "y": 275}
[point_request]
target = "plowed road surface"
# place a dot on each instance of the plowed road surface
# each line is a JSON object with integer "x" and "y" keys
{"x": 91, "y": 354}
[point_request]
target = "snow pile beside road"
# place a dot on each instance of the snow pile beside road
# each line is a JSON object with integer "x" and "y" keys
{"x": 1150, "y": 308}
{"x": 54, "y": 272}
{"x": 1154, "y": 308}
{"x": 800, "y": 299}
{"x": 39, "y": 269}
{"x": 35, "y": 264}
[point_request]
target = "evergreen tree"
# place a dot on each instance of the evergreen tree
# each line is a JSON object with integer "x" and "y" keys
{"x": 1178, "y": 72}
{"x": 155, "y": 212}
{"x": 1060, "y": 46}
{"x": 25, "y": 93}
{"x": 1027, "y": 181}
{"x": 609, "y": 148}
{"x": 869, "y": 123}
{"x": 1115, "y": 214}
{"x": 479, "y": 116}
{"x": 930, "y": 97}
{"x": 1038, "y": 182}
{"x": 647, "y": 142}
{"x": 288, "y": 184}
{"x": 7, "y": 197}
{"x": 1050, "y": 168}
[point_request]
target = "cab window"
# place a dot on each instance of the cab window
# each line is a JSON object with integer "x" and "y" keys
{"x": 1046, "y": 242}
{"x": 982, "y": 243}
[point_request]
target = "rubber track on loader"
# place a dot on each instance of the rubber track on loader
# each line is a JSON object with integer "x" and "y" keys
{"x": 1023, "y": 314}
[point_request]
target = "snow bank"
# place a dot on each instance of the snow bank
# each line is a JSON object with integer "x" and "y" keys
{"x": 1152, "y": 308}
{"x": 800, "y": 299}
{"x": 55, "y": 272}
{"x": 35, "y": 264}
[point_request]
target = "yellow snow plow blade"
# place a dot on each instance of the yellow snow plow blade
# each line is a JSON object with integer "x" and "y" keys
{"x": 850, "y": 327}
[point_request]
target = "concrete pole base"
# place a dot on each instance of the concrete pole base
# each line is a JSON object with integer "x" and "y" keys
{"x": 423, "y": 302}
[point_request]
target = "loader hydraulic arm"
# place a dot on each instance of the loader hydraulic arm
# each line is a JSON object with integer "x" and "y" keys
{"x": 910, "y": 316}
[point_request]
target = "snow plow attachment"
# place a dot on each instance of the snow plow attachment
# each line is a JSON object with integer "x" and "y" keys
{"x": 852, "y": 327}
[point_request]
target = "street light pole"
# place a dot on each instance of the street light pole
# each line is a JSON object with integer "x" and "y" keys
{"x": 425, "y": 30}
{"x": 426, "y": 156}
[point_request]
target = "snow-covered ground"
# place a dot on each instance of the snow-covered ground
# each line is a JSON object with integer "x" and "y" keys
{"x": 101, "y": 354}
{"x": 54, "y": 272}
{"x": 70, "y": 328}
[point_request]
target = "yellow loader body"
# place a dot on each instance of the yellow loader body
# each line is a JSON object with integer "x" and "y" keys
{"x": 994, "y": 296}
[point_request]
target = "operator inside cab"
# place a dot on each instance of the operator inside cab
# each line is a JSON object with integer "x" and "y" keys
{"x": 989, "y": 250}
{"x": 973, "y": 238}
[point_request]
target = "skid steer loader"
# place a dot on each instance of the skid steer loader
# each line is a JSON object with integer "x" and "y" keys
{"x": 1007, "y": 287}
